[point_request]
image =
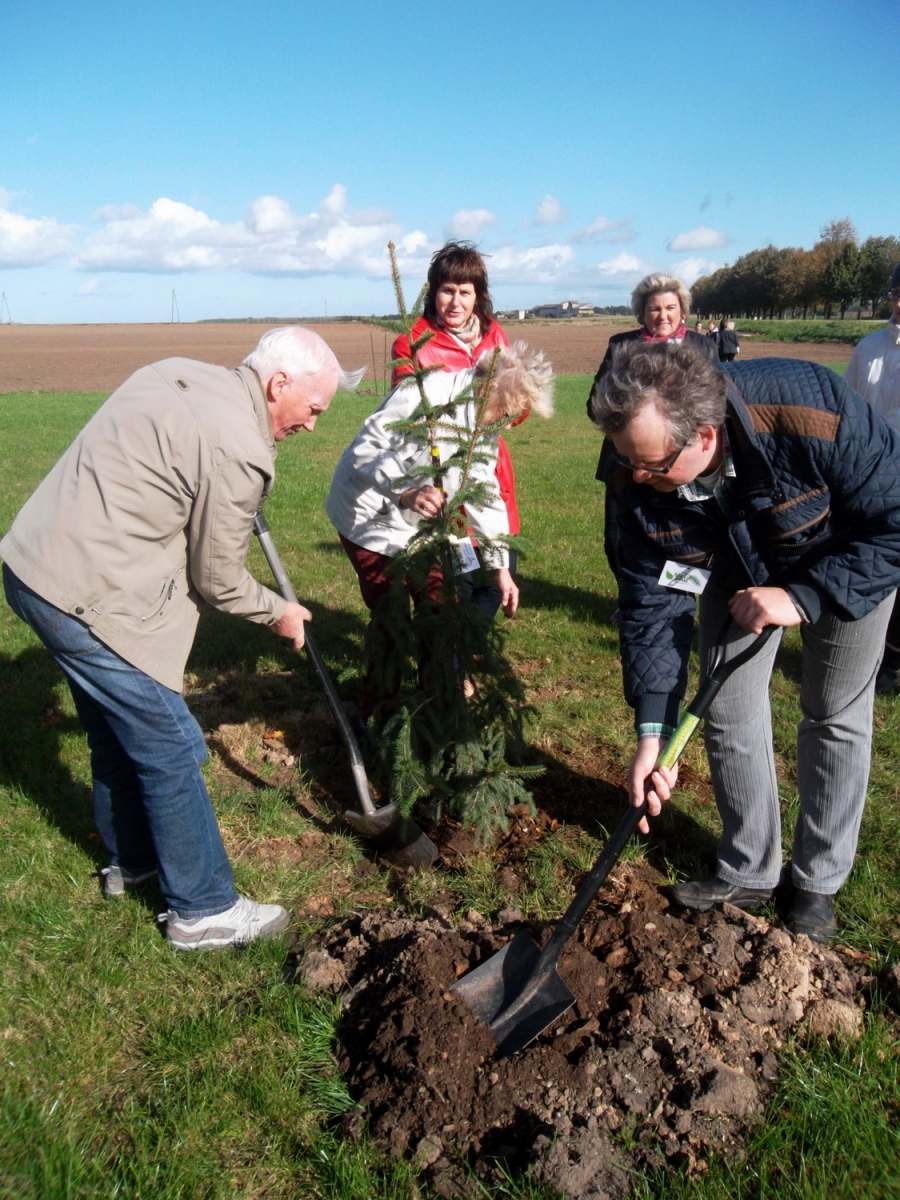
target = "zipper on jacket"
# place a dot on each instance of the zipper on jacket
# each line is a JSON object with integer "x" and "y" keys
{"x": 165, "y": 597}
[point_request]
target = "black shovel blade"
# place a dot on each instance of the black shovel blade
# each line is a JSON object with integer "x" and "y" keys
{"x": 511, "y": 998}
{"x": 397, "y": 839}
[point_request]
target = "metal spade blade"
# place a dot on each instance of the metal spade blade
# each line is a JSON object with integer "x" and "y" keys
{"x": 518, "y": 992}
{"x": 397, "y": 839}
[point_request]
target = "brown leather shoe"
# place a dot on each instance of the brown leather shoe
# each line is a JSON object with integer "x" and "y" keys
{"x": 702, "y": 894}
{"x": 812, "y": 913}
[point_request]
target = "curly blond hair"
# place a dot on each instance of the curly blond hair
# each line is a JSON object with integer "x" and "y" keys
{"x": 523, "y": 381}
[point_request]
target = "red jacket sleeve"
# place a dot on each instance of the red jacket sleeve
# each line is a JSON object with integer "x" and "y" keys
{"x": 400, "y": 349}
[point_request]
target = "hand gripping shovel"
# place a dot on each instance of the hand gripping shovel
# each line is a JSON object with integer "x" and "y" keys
{"x": 397, "y": 839}
{"x": 518, "y": 992}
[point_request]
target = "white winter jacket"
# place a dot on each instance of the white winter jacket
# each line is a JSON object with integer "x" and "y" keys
{"x": 375, "y": 469}
{"x": 874, "y": 371}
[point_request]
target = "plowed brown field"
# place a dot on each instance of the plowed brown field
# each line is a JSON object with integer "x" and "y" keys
{"x": 97, "y": 358}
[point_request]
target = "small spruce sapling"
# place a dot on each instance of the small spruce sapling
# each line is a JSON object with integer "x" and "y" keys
{"x": 455, "y": 708}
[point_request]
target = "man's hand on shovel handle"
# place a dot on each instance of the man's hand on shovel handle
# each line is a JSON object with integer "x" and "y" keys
{"x": 292, "y": 624}
{"x": 756, "y": 607}
{"x": 646, "y": 781}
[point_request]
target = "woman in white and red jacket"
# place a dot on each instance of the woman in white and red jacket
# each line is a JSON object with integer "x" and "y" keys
{"x": 459, "y": 313}
{"x": 375, "y": 510}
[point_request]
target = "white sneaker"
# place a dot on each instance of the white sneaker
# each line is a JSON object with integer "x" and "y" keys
{"x": 238, "y": 925}
{"x": 119, "y": 880}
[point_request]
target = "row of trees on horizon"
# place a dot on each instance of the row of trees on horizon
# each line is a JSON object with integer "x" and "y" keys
{"x": 838, "y": 274}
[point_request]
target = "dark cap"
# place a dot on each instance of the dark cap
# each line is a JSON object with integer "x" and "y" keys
{"x": 895, "y": 277}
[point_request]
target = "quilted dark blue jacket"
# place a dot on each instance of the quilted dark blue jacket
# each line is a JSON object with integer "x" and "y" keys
{"x": 815, "y": 509}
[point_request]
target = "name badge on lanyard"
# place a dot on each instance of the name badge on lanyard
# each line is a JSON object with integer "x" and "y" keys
{"x": 684, "y": 579}
{"x": 464, "y": 556}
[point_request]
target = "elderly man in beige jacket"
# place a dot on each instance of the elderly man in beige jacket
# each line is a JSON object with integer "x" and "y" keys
{"x": 148, "y": 514}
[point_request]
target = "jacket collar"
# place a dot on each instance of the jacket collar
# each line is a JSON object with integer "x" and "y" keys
{"x": 754, "y": 473}
{"x": 253, "y": 384}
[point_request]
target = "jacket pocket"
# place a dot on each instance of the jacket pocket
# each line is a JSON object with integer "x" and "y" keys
{"x": 164, "y": 599}
{"x": 800, "y": 524}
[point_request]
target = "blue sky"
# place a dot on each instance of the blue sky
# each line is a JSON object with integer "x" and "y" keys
{"x": 257, "y": 158}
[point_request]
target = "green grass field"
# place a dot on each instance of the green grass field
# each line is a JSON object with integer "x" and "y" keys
{"x": 130, "y": 1071}
{"x": 846, "y": 331}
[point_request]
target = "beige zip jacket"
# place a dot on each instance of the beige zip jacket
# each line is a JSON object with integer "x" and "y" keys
{"x": 150, "y": 511}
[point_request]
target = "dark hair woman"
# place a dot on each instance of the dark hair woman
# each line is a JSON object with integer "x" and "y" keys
{"x": 459, "y": 313}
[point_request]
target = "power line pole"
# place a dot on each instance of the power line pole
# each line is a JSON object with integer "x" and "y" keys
{"x": 4, "y": 303}
{"x": 176, "y": 315}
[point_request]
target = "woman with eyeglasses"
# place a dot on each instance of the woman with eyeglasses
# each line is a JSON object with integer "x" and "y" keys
{"x": 662, "y": 304}
{"x": 460, "y": 317}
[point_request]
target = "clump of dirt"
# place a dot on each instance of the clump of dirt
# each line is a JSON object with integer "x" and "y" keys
{"x": 456, "y": 842}
{"x": 671, "y": 1040}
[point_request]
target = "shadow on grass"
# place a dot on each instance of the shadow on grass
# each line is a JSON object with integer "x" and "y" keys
{"x": 226, "y": 643}
{"x": 242, "y": 672}
{"x": 580, "y": 603}
{"x": 231, "y": 685}
{"x": 34, "y": 728}
{"x": 595, "y": 799}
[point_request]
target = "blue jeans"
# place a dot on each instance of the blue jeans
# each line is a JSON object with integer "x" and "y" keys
{"x": 480, "y": 588}
{"x": 151, "y": 805}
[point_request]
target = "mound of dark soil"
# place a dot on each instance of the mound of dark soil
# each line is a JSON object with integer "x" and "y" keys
{"x": 671, "y": 1039}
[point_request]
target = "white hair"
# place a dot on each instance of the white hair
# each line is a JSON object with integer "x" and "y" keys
{"x": 300, "y": 353}
{"x": 651, "y": 285}
{"x": 523, "y": 381}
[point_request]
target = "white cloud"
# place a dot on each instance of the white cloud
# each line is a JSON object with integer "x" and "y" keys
{"x": 271, "y": 239}
{"x": 550, "y": 212}
{"x": 335, "y": 203}
{"x": 623, "y": 264}
{"x": 470, "y": 222}
{"x": 411, "y": 245}
{"x": 690, "y": 269}
{"x": 535, "y": 264}
{"x": 605, "y": 229}
{"x": 269, "y": 215}
{"x": 30, "y": 241}
{"x": 701, "y": 238}
{"x": 90, "y": 287}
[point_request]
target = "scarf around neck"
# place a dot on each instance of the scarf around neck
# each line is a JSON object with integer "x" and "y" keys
{"x": 469, "y": 334}
{"x": 677, "y": 336}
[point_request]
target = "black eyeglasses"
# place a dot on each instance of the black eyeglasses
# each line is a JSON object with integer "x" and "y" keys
{"x": 662, "y": 468}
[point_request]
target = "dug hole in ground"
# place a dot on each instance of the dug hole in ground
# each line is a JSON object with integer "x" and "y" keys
{"x": 673, "y": 1037}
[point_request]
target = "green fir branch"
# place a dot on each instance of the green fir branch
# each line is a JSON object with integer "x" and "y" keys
{"x": 435, "y": 746}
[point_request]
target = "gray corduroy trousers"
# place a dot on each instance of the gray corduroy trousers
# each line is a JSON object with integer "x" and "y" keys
{"x": 834, "y": 741}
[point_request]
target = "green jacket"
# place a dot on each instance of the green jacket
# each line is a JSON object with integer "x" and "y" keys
{"x": 150, "y": 511}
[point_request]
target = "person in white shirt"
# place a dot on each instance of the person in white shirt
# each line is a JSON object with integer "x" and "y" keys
{"x": 874, "y": 372}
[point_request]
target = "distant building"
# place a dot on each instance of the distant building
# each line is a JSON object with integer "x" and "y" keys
{"x": 565, "y": 308}
{"x": 513, "y": 314}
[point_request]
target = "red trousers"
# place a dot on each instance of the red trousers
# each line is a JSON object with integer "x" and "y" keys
{"x": 374, "y": 585}
{"x": 373, "y": 582}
